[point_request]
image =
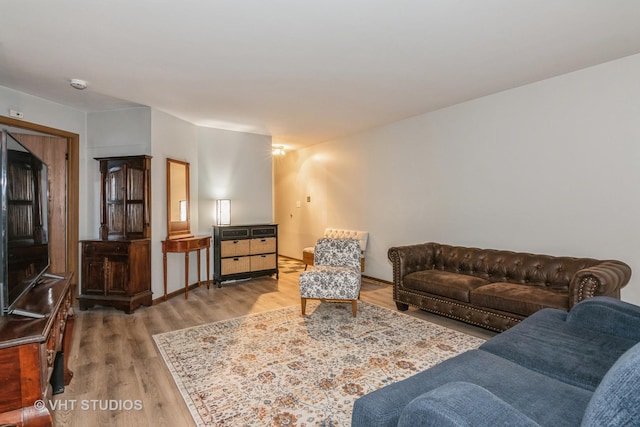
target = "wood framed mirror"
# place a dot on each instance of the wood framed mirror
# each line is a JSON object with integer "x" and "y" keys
{"x": 178, "y": 206}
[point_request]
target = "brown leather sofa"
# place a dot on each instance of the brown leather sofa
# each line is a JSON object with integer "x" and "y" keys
{"x": 496, "y": 289}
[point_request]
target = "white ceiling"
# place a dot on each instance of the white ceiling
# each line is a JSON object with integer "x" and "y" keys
{"x": 302, "y": 71}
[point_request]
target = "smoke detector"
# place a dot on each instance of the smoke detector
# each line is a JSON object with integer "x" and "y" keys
{"x": 78, "y": 84}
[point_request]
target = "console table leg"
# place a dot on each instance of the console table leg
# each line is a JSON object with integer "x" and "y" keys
{"x": 198, "y": 267}
{"x": 186, "y": 275}
{"x": 208, "y": 276}
{"x": 164, "y": 265}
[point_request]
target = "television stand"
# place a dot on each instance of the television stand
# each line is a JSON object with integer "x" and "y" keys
{"x": 28, "y": 349}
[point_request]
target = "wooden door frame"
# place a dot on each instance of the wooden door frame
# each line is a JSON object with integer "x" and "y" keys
{"x": 73, "y": 186}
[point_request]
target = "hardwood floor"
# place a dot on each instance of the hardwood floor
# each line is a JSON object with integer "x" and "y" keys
{"x": 116, "y": 364}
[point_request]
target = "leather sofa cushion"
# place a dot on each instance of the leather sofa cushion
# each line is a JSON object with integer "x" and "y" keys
{"x": 520, "y": 299}
{"x": 442, "y": 283}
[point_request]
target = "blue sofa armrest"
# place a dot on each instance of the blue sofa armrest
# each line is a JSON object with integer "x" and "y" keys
{"x": 458, "y": 404}
{"x": 616, "y": 401}
{"x": 607, "y": 315}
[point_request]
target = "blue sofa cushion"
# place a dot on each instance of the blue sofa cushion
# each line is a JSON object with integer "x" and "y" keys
{"x": 461, "y": 404}
{"x": 541, "y": 398}
{"x": 549, "y": 343}
{"x": 616, "y": 401}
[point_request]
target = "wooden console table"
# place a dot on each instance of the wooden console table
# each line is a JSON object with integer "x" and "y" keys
{"x": 28, "y": 349}
{"x": 185, "y": 245}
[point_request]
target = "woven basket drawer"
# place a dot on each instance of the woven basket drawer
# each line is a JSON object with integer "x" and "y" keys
{"x": 235, "y": 265}
{"x": 263, "y": 262}
{"x": 234, "y": 247}
{"x": 263, "y": 246}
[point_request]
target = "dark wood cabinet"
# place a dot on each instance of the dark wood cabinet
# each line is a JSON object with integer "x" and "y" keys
{"x": 29, "y": 350}
{"x": 116, "y": 270}
{"x": 116, "y": 274}
{"x": 125, "y": 197}
{"x": 244, "y": 251}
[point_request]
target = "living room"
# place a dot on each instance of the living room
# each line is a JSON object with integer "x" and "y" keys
{"x": 549, "y": 166}
{"x": 534, "y": 210}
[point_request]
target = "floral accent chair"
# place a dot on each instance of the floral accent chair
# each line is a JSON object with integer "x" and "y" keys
{"x": 335, "y": 274}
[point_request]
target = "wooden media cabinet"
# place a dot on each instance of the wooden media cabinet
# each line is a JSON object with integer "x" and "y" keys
{"x": 28, "y": 350}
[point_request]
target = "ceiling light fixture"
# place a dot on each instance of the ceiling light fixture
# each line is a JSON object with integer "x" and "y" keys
{"x": 278, "y": 150}
{"x": 78, "y": 84}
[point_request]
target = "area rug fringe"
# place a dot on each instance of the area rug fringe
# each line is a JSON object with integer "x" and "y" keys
{"x": 278, "y": 368}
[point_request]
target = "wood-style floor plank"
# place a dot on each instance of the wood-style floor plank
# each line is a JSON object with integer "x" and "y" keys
{"x": 114, "y": 357}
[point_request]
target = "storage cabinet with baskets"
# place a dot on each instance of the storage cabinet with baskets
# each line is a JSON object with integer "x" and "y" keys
{"x": 244, "y": 251}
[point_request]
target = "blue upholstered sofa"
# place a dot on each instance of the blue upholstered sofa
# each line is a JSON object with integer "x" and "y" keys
{"x": 556, "y": 368}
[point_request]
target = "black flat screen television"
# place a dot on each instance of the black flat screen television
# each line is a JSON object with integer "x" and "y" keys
{"x": 24, "y": 249}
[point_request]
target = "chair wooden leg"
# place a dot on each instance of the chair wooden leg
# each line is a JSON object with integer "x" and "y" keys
{"x": 354, "y": 307}
{"x": 303, "y": 305}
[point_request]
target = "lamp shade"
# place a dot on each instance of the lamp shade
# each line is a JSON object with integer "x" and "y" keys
{"x": 223, "y": 212}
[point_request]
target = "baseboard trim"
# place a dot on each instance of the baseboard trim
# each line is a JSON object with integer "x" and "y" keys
{"x": 377, "y": 281}
{"x": 181, "y": 291}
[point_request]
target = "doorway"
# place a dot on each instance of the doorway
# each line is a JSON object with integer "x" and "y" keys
{"x": 53, "y": 151}
{"x": 59, "y": 149}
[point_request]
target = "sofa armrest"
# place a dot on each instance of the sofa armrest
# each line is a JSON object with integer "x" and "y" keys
{"x": 605, "y": 278}
{"x": 409, "y": 259}
{"x": 607, "y": 315}
{"x": 461, "y": 404}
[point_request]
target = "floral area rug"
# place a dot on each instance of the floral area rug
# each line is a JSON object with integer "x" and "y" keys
{"x": 279, "y": 369}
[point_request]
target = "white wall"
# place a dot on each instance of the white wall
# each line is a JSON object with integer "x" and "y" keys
{"x": 176, "y": 139}
{"x": 550, "y": 167}
{"x": 222, "y": 164}
{"x": 235, "y": 166}
{"x": 125, "y": 132}
{"x": 47, "y": 113}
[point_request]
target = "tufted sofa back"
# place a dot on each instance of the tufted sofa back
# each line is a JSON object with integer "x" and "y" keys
{"x": 506, "y": 266}
{"x": 361, "y": 236}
